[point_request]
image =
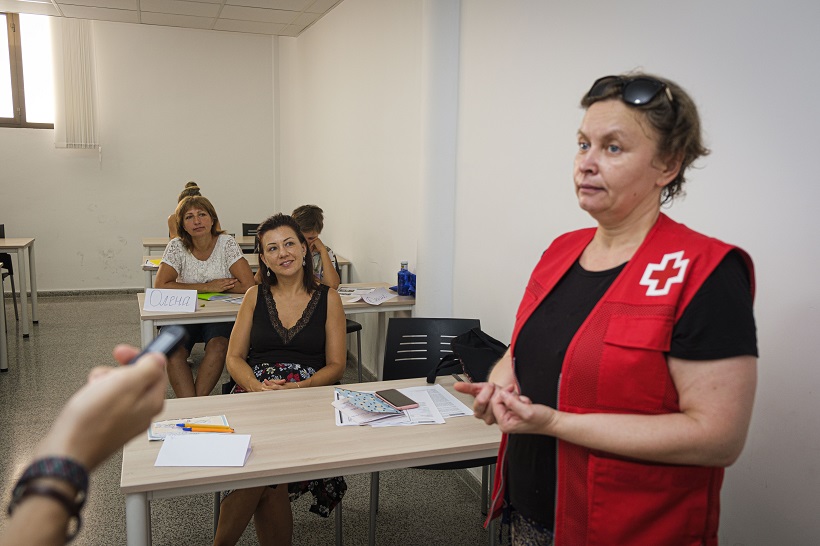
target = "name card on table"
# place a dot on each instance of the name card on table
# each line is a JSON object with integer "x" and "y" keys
{"x": 170, "y": 301}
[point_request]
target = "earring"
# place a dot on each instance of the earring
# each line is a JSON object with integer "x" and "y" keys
{"x": 268, "y": 272}
{"x": 303, "y": 261}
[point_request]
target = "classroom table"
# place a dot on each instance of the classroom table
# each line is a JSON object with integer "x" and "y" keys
{"x": 24, "y": 246}
{"x": 246, "y": 242}
{"x": 4, "y": 351}
{"x": 322, "y": 450}
{"x": 220, "y": 311}
{"x": 150, "y": 270}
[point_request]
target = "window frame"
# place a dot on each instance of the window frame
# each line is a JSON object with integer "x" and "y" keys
{"x": 18, "y": 95}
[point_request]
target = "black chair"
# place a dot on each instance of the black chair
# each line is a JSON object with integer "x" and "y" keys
{"x": 354, "y": 327}
{"x": 7, "y": 271}
{"x": 249, "y": 230}
{"x": 414, "y": 346}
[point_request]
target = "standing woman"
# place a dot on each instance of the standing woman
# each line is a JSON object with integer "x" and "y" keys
{"x": 648, "y": 328}
{"x": 289, "y": 334}
{"x": 204, "y": 259}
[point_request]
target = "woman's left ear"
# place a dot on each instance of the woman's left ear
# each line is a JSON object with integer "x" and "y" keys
{"x": 669, "y": 170}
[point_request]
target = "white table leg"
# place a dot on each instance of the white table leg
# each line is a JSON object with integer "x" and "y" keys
{"x": 149, "y": 282}
{"x": 22, "y": 258}
{"x": 147, "y": 330}
{"x": 33, "y": 274}
{"x": 137, "y": 520}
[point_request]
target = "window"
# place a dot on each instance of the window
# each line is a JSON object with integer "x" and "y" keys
{"x": 26, "y": 74}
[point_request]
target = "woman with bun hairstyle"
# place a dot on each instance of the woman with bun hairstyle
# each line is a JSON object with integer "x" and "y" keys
{"x": 190, "y": 189}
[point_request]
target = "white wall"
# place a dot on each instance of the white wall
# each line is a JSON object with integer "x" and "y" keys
{"x": 751, "y": 67}
{"x": 350, "y": 130}
{"x": 175, "y": 105}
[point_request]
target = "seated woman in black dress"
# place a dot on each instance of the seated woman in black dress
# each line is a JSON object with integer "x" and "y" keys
{"x": 289, "y": 333}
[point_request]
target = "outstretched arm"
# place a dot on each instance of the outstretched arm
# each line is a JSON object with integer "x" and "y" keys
{"x": 115, "y": 405}
{"x": 715, "y": 398}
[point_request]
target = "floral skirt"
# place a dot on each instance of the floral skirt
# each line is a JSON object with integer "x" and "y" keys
{"x": 327, "y": 492}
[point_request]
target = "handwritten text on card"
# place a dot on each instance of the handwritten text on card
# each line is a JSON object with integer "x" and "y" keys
{"x": 167, "y": 300}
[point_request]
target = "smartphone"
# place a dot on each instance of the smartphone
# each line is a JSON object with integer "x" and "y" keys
{"x": 397, "y": 399}
{"x": 168, "y": 340}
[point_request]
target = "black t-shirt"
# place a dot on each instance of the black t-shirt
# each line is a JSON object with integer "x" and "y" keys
{"x": 718, "y": 323}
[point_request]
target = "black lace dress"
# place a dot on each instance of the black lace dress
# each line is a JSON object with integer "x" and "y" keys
{"x": 294, "y": 354}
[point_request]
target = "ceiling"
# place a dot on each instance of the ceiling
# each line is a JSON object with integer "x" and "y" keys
{"x": 272, "y": 17}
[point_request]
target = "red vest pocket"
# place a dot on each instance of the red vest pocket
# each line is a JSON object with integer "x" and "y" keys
{"x": 633, "y": 372}
{"x": 642, "y": 504}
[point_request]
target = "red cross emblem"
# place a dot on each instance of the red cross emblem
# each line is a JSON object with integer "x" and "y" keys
{"x": 659, "y": 278}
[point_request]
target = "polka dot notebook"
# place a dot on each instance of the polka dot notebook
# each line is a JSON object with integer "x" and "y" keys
{"x": 367, "y": 401}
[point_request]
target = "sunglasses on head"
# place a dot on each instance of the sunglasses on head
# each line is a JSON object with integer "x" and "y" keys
{"x": 634, "y": 91}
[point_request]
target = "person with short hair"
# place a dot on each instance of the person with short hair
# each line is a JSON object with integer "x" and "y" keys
{"x": 311, "y": 221}
{"x": 205, "y": 259}
{"x": 648, "y": 327}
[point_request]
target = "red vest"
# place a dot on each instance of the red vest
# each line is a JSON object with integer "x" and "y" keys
{"x": 616, "y": 363}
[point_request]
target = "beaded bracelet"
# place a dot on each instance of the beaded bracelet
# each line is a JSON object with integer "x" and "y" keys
{"x": 60, "y": 468}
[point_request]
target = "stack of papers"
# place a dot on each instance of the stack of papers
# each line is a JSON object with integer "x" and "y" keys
{"x": 435, "y": 405}
{"x": 373, "y": 296}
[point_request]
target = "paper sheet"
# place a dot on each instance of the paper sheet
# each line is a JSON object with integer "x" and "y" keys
{"x": 447, "y": 404}
{"x": 205, "y": 449}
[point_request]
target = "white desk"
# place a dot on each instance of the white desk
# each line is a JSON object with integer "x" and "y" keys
{"x": 24, "y": 246}
{"x": 322, "y": 449}
{"x": 150, "y": 270}
{"x": 246, "y": 242}
{"x": 220, "y": 311}
{"x": 158, "y": 244}
{"x": 4, "y": 351}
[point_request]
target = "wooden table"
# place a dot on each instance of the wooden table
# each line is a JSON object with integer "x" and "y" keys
{"x": 220, "y": 311}
{"x": 246, "y": 242}
{"x": 158, "y": 244}
{"x": 150, "y": 269}
{"x": 304, "y": 444}
{"x": 24, "y": 246}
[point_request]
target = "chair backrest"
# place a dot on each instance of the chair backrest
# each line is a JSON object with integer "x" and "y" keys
{"x": 415, "y": 345}
{"x": 5, "y": 258}
{"x": 249, "y": 230}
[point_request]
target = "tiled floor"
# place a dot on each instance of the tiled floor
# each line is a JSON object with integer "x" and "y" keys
{"x": 77, "y": 333}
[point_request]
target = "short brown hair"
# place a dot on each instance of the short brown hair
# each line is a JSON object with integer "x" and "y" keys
{"x": 676, "y": 122}
{"x": 194, "y": 202}
{"x": 309, "y": 218}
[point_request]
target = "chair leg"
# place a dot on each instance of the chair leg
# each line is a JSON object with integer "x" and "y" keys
{"x": 217, "y": 502}
{"x": 485, "y": 470}
{"x": 338, "y": 510}
{"x": 374, "y": 507}
{"x": 358, "y": 352}
{"x": 492, "y": 528}
{"x": 14, "y": 298}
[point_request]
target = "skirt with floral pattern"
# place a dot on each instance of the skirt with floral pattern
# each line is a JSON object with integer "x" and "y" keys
{"x": 327, "y": 492}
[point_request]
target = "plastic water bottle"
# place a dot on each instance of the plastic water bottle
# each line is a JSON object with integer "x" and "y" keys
{"x": 404, "y": 280}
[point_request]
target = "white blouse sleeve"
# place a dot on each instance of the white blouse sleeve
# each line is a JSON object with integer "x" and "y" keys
{"x": 233, "y": 252}
{"x": 174, "y": 254}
